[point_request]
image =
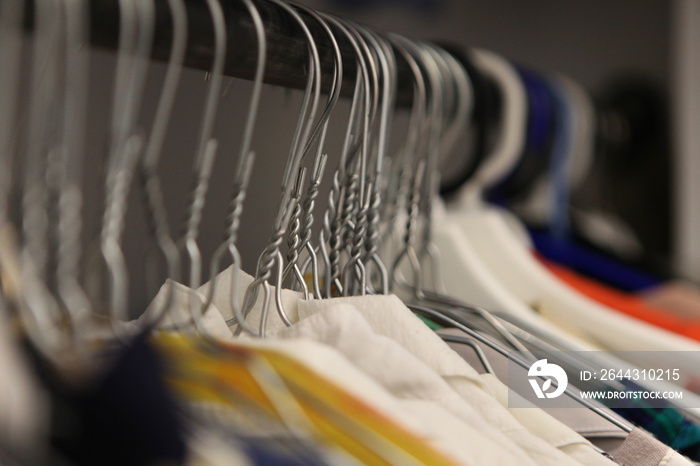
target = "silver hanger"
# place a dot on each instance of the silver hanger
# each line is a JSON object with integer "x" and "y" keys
{"x": 42, "y": 127}
{"x": 409, "y": 251}
{"x": 412, "y": 165}
{"x": 330, "y": 235}
{"x": 271, "y": 256}
{"x": 483, "y": 359}
{"x": 462, "y": 97}
{"x": 241, "y": 178}
{"x": 387, "y": 64}
{"x": 357, "y": 236}
{"x": 443, "y": 80}
{"x": 204, "y": 158}
{"x": 348, "y": 184}
{"x": 69, "y": 169}
{"x": 24, "y": 277}
{"x": 148, "y": 169}
{"x": 319, "y": 162}
{"x": 515, "y": 358}
{"x": 136, "y": 34}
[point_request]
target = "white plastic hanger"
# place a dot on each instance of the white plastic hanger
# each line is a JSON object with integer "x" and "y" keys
{"x": 513, "y": 125}
{"x": 464, "y": 274}
{"x": 499, "y": 248}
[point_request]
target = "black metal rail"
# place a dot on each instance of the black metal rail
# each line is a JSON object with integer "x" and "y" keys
{"x": 287, "y": 62}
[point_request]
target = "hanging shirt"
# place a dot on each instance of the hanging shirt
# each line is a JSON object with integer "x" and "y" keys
{"x": 408, "y": 378}
{"x": 289, "y": 381}
{"x": 387, "y": 316}
{"x": 628, "y": 304}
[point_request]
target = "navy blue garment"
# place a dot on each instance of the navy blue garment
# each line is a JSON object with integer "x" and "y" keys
{"x": 126, "y": 416}
{"x": 534, "y": 159}
{"x": 592, "y": 263}
{"x": 280, "y": 452}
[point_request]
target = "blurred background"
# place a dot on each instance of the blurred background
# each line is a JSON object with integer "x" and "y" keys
{"x": 641, "y": 56}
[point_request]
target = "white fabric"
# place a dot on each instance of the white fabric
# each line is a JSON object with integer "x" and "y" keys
{"x": 222, "y": 299}
{"x": 439, "y": 428}
{"x": 514, "y": 265}
{"x": 179, "y": 313}
{"x": 407, "y": 378}
{"x": 673, "y": 458}
{"x": 462, "y": 391}
{"x": 433, "y": 421}
{"x": 547, "y": 428}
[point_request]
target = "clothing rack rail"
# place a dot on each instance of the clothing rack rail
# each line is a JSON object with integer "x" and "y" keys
{"x": 287, "y": 62}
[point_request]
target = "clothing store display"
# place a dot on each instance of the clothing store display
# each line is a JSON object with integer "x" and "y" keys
{"x": 394, "y": 306}
{"x": 408, "y": 378}
{"x": 563, "y": 305}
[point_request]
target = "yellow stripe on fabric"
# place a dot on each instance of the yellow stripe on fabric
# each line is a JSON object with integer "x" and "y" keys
{"x": 207, "y": 371}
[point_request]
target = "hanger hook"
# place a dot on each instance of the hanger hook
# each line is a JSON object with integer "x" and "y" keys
{"x": 241, "y": 180}
{"x": 204, "y": 158}
{"x": 346, "y": 194}
{"x": 137, "y": 25}
{"x": 269, "y": 255}
{"x": 387, "y": 62}
{"x": 409, "y": 169}
{"x": 69, "y": 168}
{"x": 302, "y": 240}
{"x": 150, "y": 182}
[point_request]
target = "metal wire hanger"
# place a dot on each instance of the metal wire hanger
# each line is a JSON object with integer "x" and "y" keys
{"x": 271, "y": 256}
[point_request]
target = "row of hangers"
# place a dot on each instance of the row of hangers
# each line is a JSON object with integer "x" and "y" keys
{"x": 382, "y": 231}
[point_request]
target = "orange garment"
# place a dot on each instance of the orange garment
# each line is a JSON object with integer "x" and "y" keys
{"x": 629, "y": 304}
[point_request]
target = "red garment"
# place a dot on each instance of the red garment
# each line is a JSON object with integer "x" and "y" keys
{"x": 627, "y": 303}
